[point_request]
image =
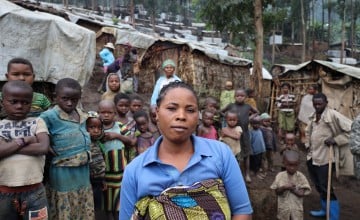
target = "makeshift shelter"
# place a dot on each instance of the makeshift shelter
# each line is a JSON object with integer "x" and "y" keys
{"x": 204, "y": 66}
{"x": 57, "y": 48}
{"x": 340, "y": 83}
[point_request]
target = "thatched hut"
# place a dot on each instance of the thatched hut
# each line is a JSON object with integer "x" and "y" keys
{"x": 340, "y": 83}
{"x": 204, "y": 66}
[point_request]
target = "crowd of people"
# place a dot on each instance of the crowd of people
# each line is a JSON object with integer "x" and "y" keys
{"x": 172, "y": 159}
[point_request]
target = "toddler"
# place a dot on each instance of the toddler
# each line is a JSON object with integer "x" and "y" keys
{"x": 145, "y": 138}
{"x": 232, "y": 132}
{"x": 112, "y": 86}
{"x": 212, "y": 104}
{"x": 257, "y": 147}
{"x": 22, "y": 69}
{"x": 289, "y": 143}
{"x": 269, "y": 139}
{"x": 24, "y": 142}
{"x": 227, "y": 95}
{"x": 290, "y": 187}
{"x": 206, "y": 129}
{"x": 114, "y": 157}
{"x": 70, "y": 193}
{"x": 97, "y": 164}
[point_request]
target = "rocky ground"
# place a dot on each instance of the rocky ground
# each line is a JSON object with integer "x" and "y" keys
{"x": 262, "y": 198}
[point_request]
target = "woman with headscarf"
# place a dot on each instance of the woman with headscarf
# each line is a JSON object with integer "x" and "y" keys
{"x": 168, "y": 67}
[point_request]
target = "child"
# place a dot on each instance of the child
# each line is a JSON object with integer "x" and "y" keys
{"x": 232, "y": 132}
{"x": 243, "y": 111}
{"x": 24, "y": 142}
{"x": 70, "y": 193}
{"x": 290, "y": 187}
{"x": 212, "y": 104}
{"x": 136, "y": 104}
{"x": 257, "y": 147}
{"x": 289, "y": 143}
{"x": 250, "y": 100}
{"x": 286, "y": 115}
{"x": 153, "y": 128}
{"x": 127, "y": 125}
{"x": 145, "y": 138}
{"x": 227, "y": 95}
{"x": 114, "y": 158}
{"x": 269, "y": 139}
{"x": 206, "y": 129}
{"x": 112, "y": 87}
{"x": 306, "y": 109}
{"x": 97, "y": 164}
{"x": 22, "y": 69}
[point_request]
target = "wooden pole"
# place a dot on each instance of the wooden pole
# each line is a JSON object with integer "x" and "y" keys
{"x": 331, "y": 153}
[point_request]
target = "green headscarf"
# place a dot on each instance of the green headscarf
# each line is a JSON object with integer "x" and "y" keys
{"x": 168, "y": 62}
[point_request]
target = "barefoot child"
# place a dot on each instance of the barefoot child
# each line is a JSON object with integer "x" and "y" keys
{"x": 144, "y": 137}
{"x": 290, "y": 187}
{"x": 270, "y": 141}
{"x": 71, "y": 195}
{"x": 206, "y": 129}
{"x": 114, "y": 158}
{"x": 231, "y": 134}
{"x": 24, "y": 142}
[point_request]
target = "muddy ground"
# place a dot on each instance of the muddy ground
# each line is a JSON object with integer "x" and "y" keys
{"x": 262, "y": 198}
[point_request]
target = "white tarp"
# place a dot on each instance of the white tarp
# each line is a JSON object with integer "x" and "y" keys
{"x": 56, "y": 48}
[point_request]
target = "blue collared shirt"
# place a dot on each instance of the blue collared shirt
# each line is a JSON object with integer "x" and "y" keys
{"x": 147, "y": 175}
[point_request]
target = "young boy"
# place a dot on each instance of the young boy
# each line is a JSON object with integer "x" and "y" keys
{"x": 289, "y": 143}
{"x": 257, "y": 147}
{"x": 153, "y": 128}
{"x": 206, "y": 129}
{"x": 270, "y": 140}
{"x": 24, "y": 142}
{"x": 244, "y": 112}
{"x": 127, "y": 125}
{"x": 290, "y": 187}
{"x": 22, "y": 69}
{"x": 136, "y": 104}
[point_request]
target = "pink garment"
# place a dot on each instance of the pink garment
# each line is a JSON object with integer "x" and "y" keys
{"x": 212, "y": 134}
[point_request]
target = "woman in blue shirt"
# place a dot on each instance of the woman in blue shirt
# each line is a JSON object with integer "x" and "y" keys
{"x": 166, "y": 179}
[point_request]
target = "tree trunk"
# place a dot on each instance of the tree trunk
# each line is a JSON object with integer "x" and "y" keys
{"x": 342, "y": 33}
{"x": 132, "y": 13}
{"x": 303, "y": 52}
{"x": 256, "y": 77}
{"x": 329, "y": 18}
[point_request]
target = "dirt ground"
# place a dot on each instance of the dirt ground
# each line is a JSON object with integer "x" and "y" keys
{"x": 263, "y": 199}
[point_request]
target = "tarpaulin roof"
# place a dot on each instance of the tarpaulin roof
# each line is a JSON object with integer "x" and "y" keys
{"x": 56, "y": 48}
{"x": 345, "y": 69}
{"x": 144, "y": 41}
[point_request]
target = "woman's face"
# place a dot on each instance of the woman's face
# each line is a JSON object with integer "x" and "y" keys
{"x": 177, "y": 115}
{"x": 169, "y": 70}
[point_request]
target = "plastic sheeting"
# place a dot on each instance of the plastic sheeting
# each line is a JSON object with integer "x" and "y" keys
{"x": 56, "y": 48}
